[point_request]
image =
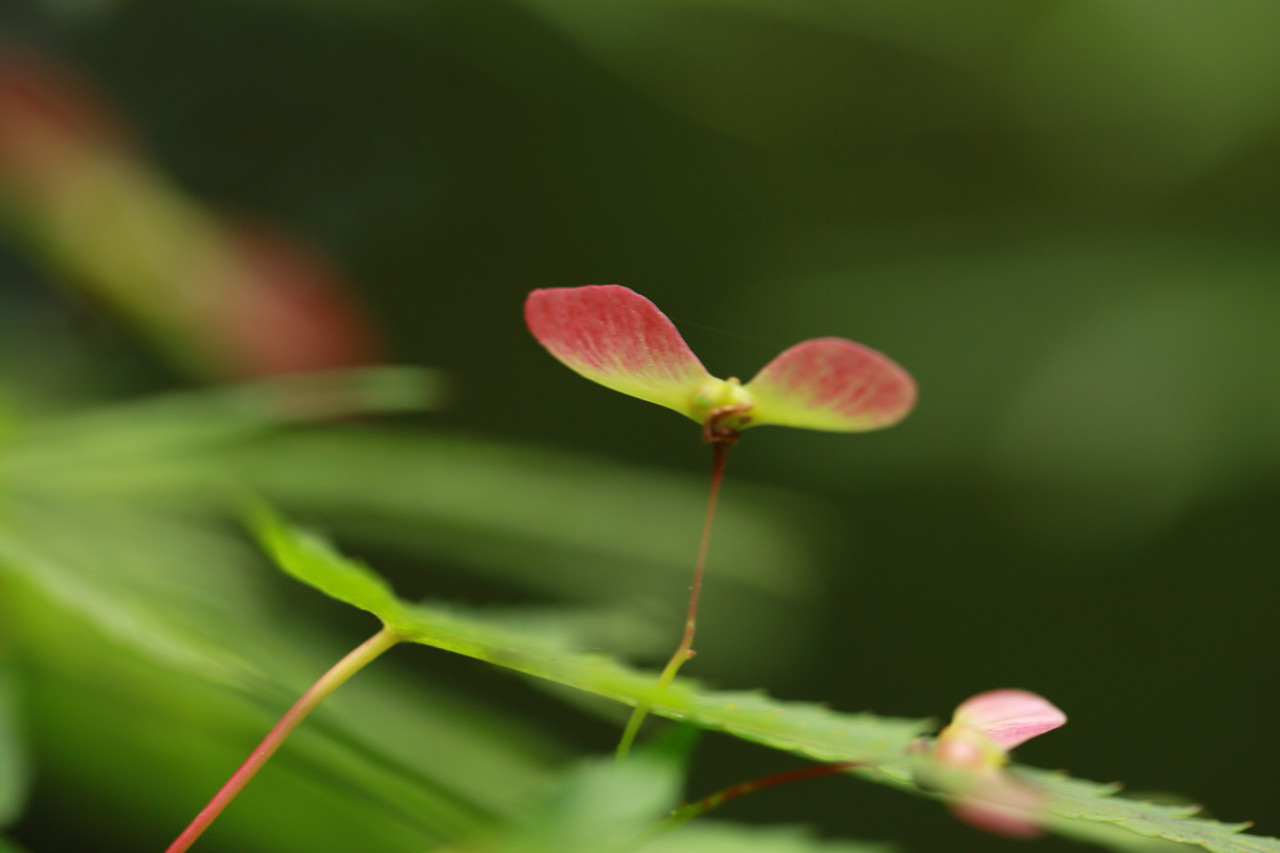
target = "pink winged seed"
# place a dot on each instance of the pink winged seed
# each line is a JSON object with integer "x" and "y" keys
{"x": 614, "y": 336}
{"x": 1009, "y": 717}
{"x": 844, "y": 385}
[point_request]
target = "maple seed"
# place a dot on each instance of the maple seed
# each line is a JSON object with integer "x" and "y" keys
{"x": 617, "y": 338}
{"x": 976, "y": 745}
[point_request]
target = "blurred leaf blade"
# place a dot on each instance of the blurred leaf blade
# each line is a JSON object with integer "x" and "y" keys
{"x": 15, "y": 765}
{"x": 462, "y": 495}
{"x": 606, "y": 806}
{"x": 598, "y": 806}
{"x": 173, "y": 439}
{"x": 37, "y": 557}
{"x": 385, "y": 749}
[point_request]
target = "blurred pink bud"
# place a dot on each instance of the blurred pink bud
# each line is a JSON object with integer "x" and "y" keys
{"x": 48, "y": 118}
{"x": 225, "y": 299}
{"x": 977, "y": 743}
{"x": 284, "y": 310}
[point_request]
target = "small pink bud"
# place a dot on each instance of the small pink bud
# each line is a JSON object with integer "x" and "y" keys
{"x": 976, "y": 744}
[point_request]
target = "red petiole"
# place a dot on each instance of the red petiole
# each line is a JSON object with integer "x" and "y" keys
{"x": 365, "y": 653}
{"x": 689, "y": 811}
{"x": 721, "y": 440}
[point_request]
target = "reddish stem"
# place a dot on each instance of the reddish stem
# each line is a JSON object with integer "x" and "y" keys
{"x": 326, "y": 684}
{"x": 689, "y": 811}
{"x": 685, "y": 650}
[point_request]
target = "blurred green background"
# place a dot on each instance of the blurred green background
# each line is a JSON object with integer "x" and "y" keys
{"x": 1062, "y": 217}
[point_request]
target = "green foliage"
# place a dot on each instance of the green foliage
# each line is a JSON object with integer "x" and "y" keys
{"x": 92, "y": 576}
{"x": 15, "y": 770}
{"x": 607, "y": 807}
{"x": 545, "y": 522}
{"x": 374, "y": 766}
{"x": 116, "y": 544}
{"x": 467, "y": 498}
{"x": 77, "y": 475}
{"x": 446, "y": 496}
{"x": 1062, "y": 216}
{"x": 806, "y": 729}
{"x": 1079, "y": 800}
{"x": 599, "y": 806}
{"x": 172, "y": 442}
{"x": 149, "y": 613}
{"x": 809, "y": 730}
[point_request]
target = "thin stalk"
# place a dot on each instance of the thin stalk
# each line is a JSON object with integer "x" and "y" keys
{"x": 689, "y": 811}
{"x": 360, "y": 657}
{"x": 685, "y": 650}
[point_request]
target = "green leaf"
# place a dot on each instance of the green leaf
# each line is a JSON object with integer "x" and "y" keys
{"x": 390, "y": 757}
{"x": 807, "y": 729}
{"x": 166, "y": 441}
{"x": 464, "y": 504}
{"x": 456, "y": 499}
{"x": 15, "y": 771}
{"x": 464, "y": 497}
{"x": 600, "y": 807}
{"x": 313, "y": 561}
{"x": 184, "y": 734}
{"x": 606, "y": 807}
{"x": 810, "y": 730}
{"x": 1071, "y": 800}
{"x": 88, "y": 562}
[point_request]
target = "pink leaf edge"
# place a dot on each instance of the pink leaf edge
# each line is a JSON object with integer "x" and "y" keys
{"x": 1009, "y": 717}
